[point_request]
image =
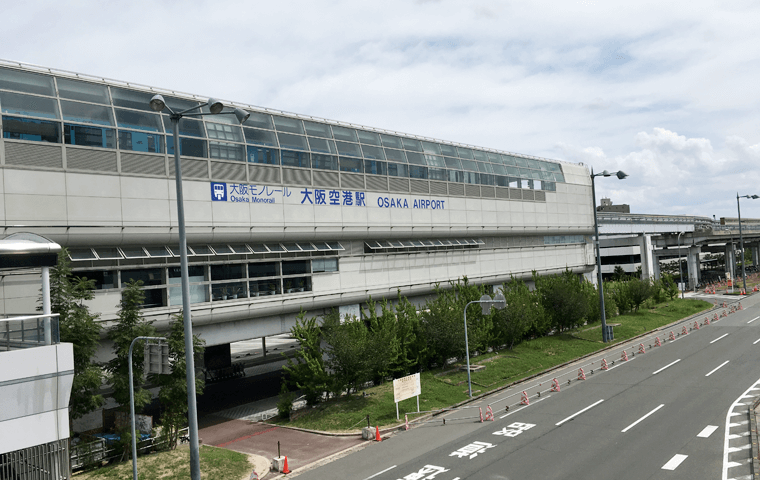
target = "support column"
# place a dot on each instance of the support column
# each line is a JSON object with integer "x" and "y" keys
{"x": 656, "y": 265}
{"x": 755, "y": 254}
{"x": 730, "y": 261}
{"x": 692, "y": 263}
{"x": 645, "y": 249}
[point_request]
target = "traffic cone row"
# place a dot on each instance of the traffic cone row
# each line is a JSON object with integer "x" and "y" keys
{"x": 657, "y": 342}
{"x": 684, "y": 332}
{"x": 672, "y": 335}
{"x": 524, "y": 399}
{"x": 555, "y": 385}
{"x": 604, "y": 364}
{"x": 624, "y": 356}
{"x": 641, "y": 348}
{"x": 707, "y": 321}
{"x": 696, "y": 325}
{"x": 581, "y": 374}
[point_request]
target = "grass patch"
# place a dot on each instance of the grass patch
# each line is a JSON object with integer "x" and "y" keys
{"x": 216, "y": 464}
{"x": 442, "y": 388}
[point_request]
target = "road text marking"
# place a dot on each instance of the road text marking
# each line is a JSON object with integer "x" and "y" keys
{"x": 716, "y": 368}
{"x": 666, "y": 366}
{"x": 724, "y": 335}
{"x": 578, "y": 413}
{"x": 707, "y": 431}
{"x": 379, "y": 473}
{"x": 674, "y": 462}
{"x": 640, "y": 419}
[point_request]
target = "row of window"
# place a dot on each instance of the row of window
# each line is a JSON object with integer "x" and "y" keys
{"x": 164, "y": 251}
{"x": 131, "y": 112}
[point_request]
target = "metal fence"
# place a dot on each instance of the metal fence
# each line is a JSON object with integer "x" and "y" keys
{"x": 28, "y": 331}
{"x": 49, "y": 461}
{"x": 101, "y": 450}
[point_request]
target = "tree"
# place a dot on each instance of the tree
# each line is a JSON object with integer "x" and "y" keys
{"x": 129, "y": 326}
{"x": 349, "y": 350}
{"x": 173, "y": 386}
{"x": 563, "y": 299}
{"x": 619, "y": 274}
{"x": 79, "y": 327}
{"x": 383, "y": 343}
{"x": 523, "y": 311}
{"x": 638, "y": 291}
{"x": 669, "y": 286}
{"x": 308, "y": 372}
{"x": 411, "y": 340}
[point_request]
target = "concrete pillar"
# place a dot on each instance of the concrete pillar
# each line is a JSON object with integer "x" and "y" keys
{"x": 692, "y": 263}
{"x": 645, "y": 247}
{"x": 656, "y": 265}
{"x": 730, "y": 261}
{"x": 755, "y": 254}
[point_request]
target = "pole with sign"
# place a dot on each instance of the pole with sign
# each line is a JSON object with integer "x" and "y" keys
{"x": 407, "y": 387}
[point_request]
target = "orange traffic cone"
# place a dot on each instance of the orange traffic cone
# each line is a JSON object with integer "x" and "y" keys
{"x": 285, "y": 467}
{"x": 377, "y": 434}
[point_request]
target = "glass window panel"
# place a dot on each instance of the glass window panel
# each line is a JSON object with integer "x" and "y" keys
{"x": 350, "y": 149}
{"x": 547, "y": 176}
{"x": 532, "y": 164}
{"x": 187, "y": 126}
{"x": 259, "y": 120}
{"x": 350, "y": 165}
{"x": 298, "y": 284}
{"x": 268, "y": 156}
{"x": 554, "y": 167}
{"x": 499, "y": 169}
{"x": 264, "y": 269}
{"x": 141, "y": 141}
{"x": 448, "y": 150}
{"x": 222, "y": 250}
{"x": 411, "y": 144}
{"x": 202, "y": 249}
{"x": 453, "y": 163}
{"x": 138, "y": 120}
{"x": 29, "y": 129}
{"x": 335, "y": 246}
{"x": 469, "y": 165}
{"x": 130, "y": 98}
{"x": 456, "y": 176}
{"x": 494, "y": 157}
{"x": 416, "y": 171}
{"x": 437, "y": 174}
{"x": 158, "y": 252}
{"x": 296, "y": 267}
{"x": 317, "y": 129}
{"x": 231, "y": 133}
{"x": 149, "y": 276}
{"x": 525, "y": 173}
{"x": 369, "y": 138}
{"x": 407, "y": 243}
{"x": 82, "y": 254}
{"x": 226, "y": 151}
{"x": 322, "y": 145}
{"x": 415, "y": 158}
{"x": 26, "y": 82}
{"x": 515, "y": 182}
{"x": 291, "y": 247}
{"x": 103, "y": 279}
{"x": 325, "y": 265}
{"x": 322, "y": 246}
{"x": 484, "y": 167}
{"x": 227, "y": 272}
{"x": 296, "y": 142}
{"x": 501, "y": 181}
{"x": 18, "y": 104}
{"x": 295, "y": 159}
{"x": 325, "y": 162}
{"x": 86, "y": 113}
{"x": 550, "y": 186}
{"x": 286, "y": 124}
{"x": 537, "y": 185}
{"x": 260, "y": 137}
{"x": 134, "y": 252}
{"x": 398, "y": 170}
{"x": 275, "y": 247}
{"x": 265, "y": 287}
{"x": 259, "y": 248}
{"x": 84, "y": 91}
{"x": 228, "y": 119}
{"x": 240, "y": 249}
{"x": 374, "y": 167}
{"x": 464, "y": 153}
{"x": 395, "y": 155}
{"x": 520, "y": 162}
{"x": 179, "y": 104}
{"x": 391, "y": 141}
{"x": 189, "y": 147}
{"x": 175, "y": 251}
{"x": 89, "y": 136}
{"x": 416, "y": 243}
{"x": 396, "y": 244}
{"x": 480, "y": 155}
{"x": 434, "y": 161}
{"x": 373, "y": 152}
{"x": 343, "y": 133}
{"x": 543, "y": 165}
{"x": 430, "y": 147}
{"x": 307, "y": 247}
{"x": 486, "y": 179}
{"x": 514, "y": 171}
{"x": 559, "y": 177}
{"x": 471, "y": 177}
{"x": 507, "y": 160}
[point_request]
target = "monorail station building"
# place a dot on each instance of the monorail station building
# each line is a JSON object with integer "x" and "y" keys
{"x": 284, "y": 213}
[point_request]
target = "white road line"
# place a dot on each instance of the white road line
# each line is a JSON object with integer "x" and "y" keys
{"x": 758, "y": 340}
{"x": 716, "y": 368}
{"x": 707, "y": 431}
{"x": 526, "y": 406}
{"x": 674, "y": 462}
{"x": 726, "y": 463}
{"x": 753, "y": 319}
{"x": 378, "y": 473}
{"x": 622, "y": 362}
{"x": 666, "y": 366}
{"x": 640, "y": 419}
{"x": 578, "y": 413}
{"x": 724, "y": 335}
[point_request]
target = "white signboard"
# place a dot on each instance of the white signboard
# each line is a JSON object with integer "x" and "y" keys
{"x": 406, "y": 387}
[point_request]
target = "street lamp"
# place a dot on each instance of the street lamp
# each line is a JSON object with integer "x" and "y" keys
{"x": 621, "y": 175}
{"x": 215, "y": 107}
{"x": 486, "y": 302}
{"x": 680, "y": 271}
{"x": 741, "y": 239}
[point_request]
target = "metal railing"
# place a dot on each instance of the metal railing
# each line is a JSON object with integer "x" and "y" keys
{"x": 102, "y": 450}
{"x": 49, "y": 461}
{"x": 29, "y": 331}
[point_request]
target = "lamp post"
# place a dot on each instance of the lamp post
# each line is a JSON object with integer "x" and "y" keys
{"x": 680, "y": 271}
{"x": 486, "y": 302}
{"x": 741, "y": 238}
{"x": 215, "y": 107}
{"x": 621, "y": 175}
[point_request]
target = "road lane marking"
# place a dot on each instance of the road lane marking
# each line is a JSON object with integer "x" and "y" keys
{"x": 526, "y": 406}
{"x": 716, "y": 368}
{"x": 578, "y": 413}
{"x": 379, "y": 473}
{"x": 666, "y": 366}
{"x": 724, "y": 335}
{"x": 707, "y": 431}
{"x": 753, "y": 319}
{"x": 622, "y": 362}
{"x": 674, "y": 462}
{"x": 640, "y": 419}
{"x": 758, "y": 340}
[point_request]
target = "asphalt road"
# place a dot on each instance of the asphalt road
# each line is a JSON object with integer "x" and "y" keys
{"x": 674, "y": 411}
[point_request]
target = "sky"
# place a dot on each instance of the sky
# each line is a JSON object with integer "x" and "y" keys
{"x": 665, "y": 91}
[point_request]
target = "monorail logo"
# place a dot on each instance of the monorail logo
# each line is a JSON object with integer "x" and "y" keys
{"x": 238, "y": 192}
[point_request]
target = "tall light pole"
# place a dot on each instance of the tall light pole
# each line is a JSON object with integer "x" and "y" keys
{"x": 621, "y": 175}
{"x": 680, "y": 271}
{"x": 741, "y": 238}
{"x": 215, "y": 107}
{"x": 486, "y": 302}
